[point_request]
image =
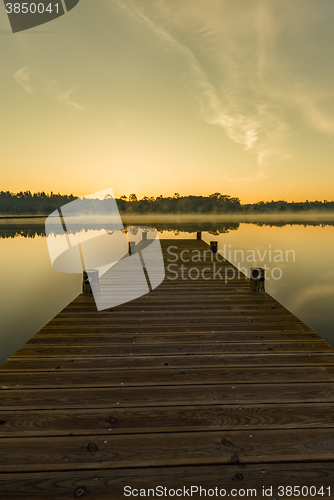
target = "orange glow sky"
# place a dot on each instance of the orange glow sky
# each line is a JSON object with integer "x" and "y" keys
{"x": 154, "y": 98}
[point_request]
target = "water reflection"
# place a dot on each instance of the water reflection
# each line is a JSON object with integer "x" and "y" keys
{"x": 28, "y": 230}
{"x": 14, "y": 232}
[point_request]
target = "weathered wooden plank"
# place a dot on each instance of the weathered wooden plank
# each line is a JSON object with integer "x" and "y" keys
{"x": 166, "y": 396}
{"x": 189, "y": 314}
{"x": 68, "y": 338}
{"x": 173, "y": 320}
{"x": 171, "y": 349}
{"x": 171, "y": 376}
{"x": 165, "y": 419}
{"x": 167, "y": 305}
{"x": 144, "y": 362}
{"x": 102, "y": 484}
{"x": 133, "y": 450}
{"x": 173, "y": 298}
{"x": 190, "y": 327}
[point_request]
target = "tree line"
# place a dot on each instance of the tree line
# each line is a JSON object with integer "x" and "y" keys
{"x": 26, "y": 203}
{"x": 41, "y": 203}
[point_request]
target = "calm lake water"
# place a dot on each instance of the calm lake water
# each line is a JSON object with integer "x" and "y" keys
{"x": 299, "y": 258}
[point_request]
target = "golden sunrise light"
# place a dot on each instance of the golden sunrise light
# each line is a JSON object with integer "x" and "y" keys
{"x": 166, "y": 233}
{"x": 157, "y": 98}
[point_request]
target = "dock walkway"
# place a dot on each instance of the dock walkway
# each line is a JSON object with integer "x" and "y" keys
{"x": 199, "y": 383}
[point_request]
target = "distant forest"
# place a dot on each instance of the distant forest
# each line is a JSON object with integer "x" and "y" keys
{"x": 31, "y": 204}
{"x": 26, "y": 203}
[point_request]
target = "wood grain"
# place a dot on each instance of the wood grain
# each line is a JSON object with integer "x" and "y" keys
{"x": 160, "y": 449}
{"x": 165, "y": 376}
{"x": 166, "y": 395}
{"x": 165, "y": 419}
{"x": 100, "y": 483}
{"x": 89, "y": 363}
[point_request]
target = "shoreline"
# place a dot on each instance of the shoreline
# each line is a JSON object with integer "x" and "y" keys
{"x": 6, "y": 217}
{"x": 191, "y": 217}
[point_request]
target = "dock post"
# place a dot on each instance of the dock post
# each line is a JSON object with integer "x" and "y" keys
{"x": 132, "y": 245}
{"x": 90, "y": 282}
{"x": 214, "y": 246}
{"x": 257, "y": 279}
{"x": 199, "y": 235}
{"x": 144, "y": 236}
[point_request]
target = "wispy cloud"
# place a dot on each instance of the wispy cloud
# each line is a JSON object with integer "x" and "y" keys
{"x": 66, "y": 98}
{"x": 52, "y": 89}
{"x": 223, "y": 73}
{"x": 22, "y": 77}
{"x": 314, "y": 108}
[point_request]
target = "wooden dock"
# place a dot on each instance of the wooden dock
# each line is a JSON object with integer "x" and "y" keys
{"x": 199, "y": 383}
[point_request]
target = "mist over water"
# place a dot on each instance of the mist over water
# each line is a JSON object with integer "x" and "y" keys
{"x": 211, "y": 223}
{"x": 287, "y": 217}
{"x": 35, "y": 292}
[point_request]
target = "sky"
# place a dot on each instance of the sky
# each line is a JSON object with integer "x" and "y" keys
{"x": 164, "y": 96}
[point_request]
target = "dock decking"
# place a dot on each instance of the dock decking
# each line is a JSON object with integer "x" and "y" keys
{"x": 198, "y": 383}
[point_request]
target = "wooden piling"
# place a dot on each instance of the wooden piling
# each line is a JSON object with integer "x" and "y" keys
{"x": 90, "y": 281}
{"x": 257, "y": 279}
{"x": 132, "y": 245}
{"x": 199, "y": 235}
{"x": 214, "y": 246}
